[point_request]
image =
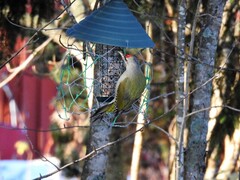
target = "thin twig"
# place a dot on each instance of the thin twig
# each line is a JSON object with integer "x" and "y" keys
{"x": 186, "y": 83}
{"x": 162, "y": 96}
{"x": 33, "y": 36}
{"x": 91, "y": 154}
{"x": 211, "y": 107}
{"x": 25, "y": 63}
{"x": 165, "y": 132}
{"x": 68, "y": 11}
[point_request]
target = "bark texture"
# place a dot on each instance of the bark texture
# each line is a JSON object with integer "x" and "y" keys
{"x": 95, "y": 168}
{"x": 180, "y": 88}
{"x": 198, "y": 124}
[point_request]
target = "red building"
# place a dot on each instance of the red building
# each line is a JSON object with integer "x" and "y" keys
{"x": 25, "y": 103}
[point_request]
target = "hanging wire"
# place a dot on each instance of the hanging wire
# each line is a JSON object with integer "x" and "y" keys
{"x": 74, "y": 91}
{"x": 72, "y": 95}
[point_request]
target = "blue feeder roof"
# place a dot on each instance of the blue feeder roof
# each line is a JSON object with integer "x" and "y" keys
{"x": 112, "y": 24}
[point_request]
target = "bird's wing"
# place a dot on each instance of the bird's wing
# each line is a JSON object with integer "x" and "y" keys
{"x": 107, "y": 108}
{"x": 123, "y": 94}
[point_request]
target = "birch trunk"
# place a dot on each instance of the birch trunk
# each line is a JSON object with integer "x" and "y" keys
{"x": 180, "y": 89}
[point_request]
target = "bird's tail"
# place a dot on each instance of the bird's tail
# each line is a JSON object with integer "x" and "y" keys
{"x": 108, "y": 108}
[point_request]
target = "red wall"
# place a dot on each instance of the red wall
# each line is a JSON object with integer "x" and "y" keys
{"x": 33, "y": 96}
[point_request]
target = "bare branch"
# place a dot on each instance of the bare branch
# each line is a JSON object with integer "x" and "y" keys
{"x": 35, "y": 34}
{"x": 165, "y": 132}
{"x": 92, "y": 153}
{"x": 68, "y": 11}
{"x": 211, "y": 107}
{"x": 25, "y": 63}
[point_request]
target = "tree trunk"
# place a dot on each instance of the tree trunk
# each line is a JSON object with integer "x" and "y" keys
{"x": 198, "y": 124}
{"x": 95, "y": 167}
{"x": 180, "y": 89}
{"x": 116, "y": 157}
{"x": 224, "y": 144}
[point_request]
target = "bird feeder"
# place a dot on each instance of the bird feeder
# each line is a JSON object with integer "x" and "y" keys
{"x": 112, "y": 27}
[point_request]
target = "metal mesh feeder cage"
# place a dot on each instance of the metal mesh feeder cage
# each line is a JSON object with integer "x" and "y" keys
{"x": 112, "y": 27}
{"x": 108, "y": 69}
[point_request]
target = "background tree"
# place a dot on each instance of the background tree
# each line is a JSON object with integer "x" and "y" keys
{"x": 198, "y": 123}
{"x": 211, "y": 51}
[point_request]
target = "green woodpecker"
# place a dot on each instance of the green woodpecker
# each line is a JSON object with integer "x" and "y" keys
{"x": 128, "y": 89}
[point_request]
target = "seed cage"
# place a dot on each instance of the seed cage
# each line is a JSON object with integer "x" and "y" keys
{"x": 108, "y": 69}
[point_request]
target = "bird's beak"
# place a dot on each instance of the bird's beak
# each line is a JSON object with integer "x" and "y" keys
{"x": 123, "y": 57}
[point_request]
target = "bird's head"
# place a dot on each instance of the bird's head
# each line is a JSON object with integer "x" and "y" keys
{"x": 129, "y": 60}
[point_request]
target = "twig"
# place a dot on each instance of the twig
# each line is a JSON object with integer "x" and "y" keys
{"x": 186, "y": 85}
{"x": 68, "y": 11}
{"x": 211, "y": 107}
{"x": 42, "y": 130}
{"x": 25, "y": 63}
{"x": 91, "y": 154}
{"x": 165, "y": 132}
{"x": 162, "y": 96}
{"x": 35, "y": 34}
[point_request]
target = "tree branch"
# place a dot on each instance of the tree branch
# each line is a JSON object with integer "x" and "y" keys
{"x": 34, "y": 35}
{"x": 92, "y": 153}
{"x": 25, "y": 63}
